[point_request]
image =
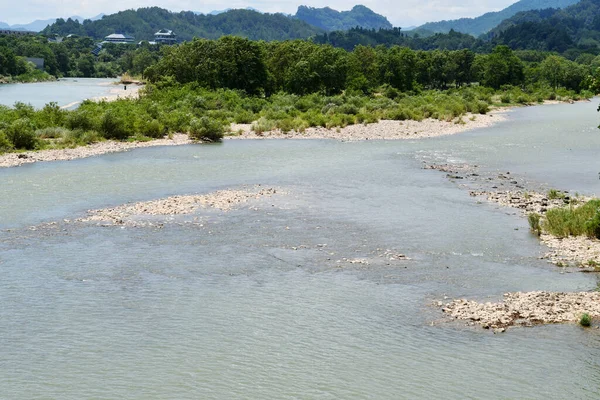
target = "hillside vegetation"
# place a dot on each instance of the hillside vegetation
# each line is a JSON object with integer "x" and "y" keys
{"x": 488, "y": 21}
{"x": 144, "y": 22}
{"x": 575, "y": 29}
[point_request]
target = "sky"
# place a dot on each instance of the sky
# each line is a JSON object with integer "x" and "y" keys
{"x": 402, "y": 13}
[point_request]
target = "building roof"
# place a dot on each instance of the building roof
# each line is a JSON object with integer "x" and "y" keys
{"x": 164, "y": 32}
{"x": 118, "y": 36}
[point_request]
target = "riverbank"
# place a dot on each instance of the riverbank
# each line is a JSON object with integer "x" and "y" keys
{"x": 579, "y": 251}
{"x": 510, "y": 191}
{"x": 382, "y": 130}
{"x": 104, "y": 147}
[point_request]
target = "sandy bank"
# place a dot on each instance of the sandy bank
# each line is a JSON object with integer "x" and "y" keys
{"x": 118, "y": 92}
{"x": 224, "y": 200}
{"x": 526, "y": 309}
{"x": 109, "y": 146}
{"x": 382, "y": 130}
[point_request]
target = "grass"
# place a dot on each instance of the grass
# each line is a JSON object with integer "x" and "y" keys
{"x": 554, "y": 194}
{"x": 534, "y": 223}
{"x": 574, "y": 220}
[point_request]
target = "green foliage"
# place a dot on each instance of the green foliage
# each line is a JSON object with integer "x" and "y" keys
{"x": 144, "y": 22}
{"x": 21, "y": 134}
{"x": 5, "y": 143}
{"x": 585, "y": 320}
{"x": 205, "y": 128}
{"x": 574, "y": 221}
{"x": 488, "y": 21}
{"x": 113, "y": 126}
{"x": 554, "y": 194}
{"x": 534, "y": 223}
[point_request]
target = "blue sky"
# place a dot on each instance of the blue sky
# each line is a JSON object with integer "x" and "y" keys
{"x": 400, "y": 13}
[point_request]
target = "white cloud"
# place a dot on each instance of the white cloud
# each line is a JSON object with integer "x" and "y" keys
{"x": 407, "y": 12}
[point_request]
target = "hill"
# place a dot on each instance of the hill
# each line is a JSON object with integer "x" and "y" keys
{"x": 40, "y": 24}
{"x": 575, "y": 28}
{"x": 486, "y": 22}
{"x": 332, "y": 20}
{"x": 144, "y": 22}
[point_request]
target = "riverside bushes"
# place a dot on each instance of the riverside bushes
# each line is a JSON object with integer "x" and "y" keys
{"x": 574, "y": 221}
{"x": 167, "y": 107}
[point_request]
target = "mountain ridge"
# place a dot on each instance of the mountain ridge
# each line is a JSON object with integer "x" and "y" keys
{"x": 488, "y": 21}
{"x": 330, "y": 20}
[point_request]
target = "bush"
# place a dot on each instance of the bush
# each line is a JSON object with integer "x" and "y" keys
{"x": 151, "y": 128}
{"x": 243, "y": 117}
{"x": 5, "y": 144}
{"x": 81, "y": 119}
{"x": 585, "y": 320}
{"x": 21, "y": 134}
{"x": 534, "y": 223}
{"x": 51, "y": 133}
{"x": 574, "y": 221}
{"x": 263, "y": 125}
{"x": 592, "y": 226}
{"x": 114, "y": 127}
{"x": 205, "y": 128}
{"x": 554, "y": 194}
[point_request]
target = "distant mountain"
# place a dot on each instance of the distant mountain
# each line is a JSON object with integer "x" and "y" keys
{"x": 332, "y": 20}
{"x": 575, "y": 28}
{"x": 144, "y": 22}
{"x": 488, "y": 21}
{"x": 40, "y": 24}
{"x": 217, "y": 12}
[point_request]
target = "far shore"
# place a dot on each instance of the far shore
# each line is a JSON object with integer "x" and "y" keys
{"x": 382, "y": 130}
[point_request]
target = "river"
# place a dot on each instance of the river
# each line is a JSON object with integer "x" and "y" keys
{"x": 253, "y": 304}
{"x": 67, "y": 92}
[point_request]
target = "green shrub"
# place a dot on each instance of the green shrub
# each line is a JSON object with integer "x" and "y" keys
{"x": 21, "y": 134}
{"x": 534, "y": 223}
{"x": 243, "y": 117}
{"x": 585, "y": 320}
{"x": 5, "y": 144}
{"x": 112, "y": 126}
{"x": 554, "y": 194}
{"x": 592, "y": 226}
{"x": 263, "y": 125}
{"x": 81, "y": 119}
{"x": 505, "y": 98}
{"x": 205, "y": 128}
{"x": 366, "y": 118}
{"x": 574, "y": 221}
{"x": 151, "y": 128}
{"x": 56, "y": 132}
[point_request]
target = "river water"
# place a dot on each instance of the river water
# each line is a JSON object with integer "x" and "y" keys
{"x": 67, "y": 92}
{"x": 253, "y": 304}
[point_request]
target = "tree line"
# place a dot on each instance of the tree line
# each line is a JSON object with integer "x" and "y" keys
{"x": 301, "y": 67}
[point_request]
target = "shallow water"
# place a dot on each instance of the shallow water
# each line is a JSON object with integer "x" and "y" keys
{"x": 229, "y": 309}
{"x": 67, "y": 92}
